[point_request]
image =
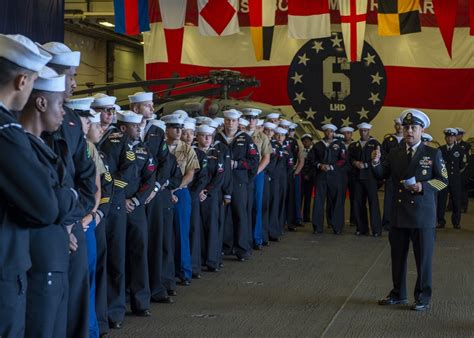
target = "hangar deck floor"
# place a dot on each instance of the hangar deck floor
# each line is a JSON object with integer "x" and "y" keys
{"x": 321, "y": 286}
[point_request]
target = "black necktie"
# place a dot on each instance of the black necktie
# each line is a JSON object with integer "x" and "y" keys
{"x": 410, "y": 154}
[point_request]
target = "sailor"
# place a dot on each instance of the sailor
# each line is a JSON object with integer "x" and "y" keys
{"x": 390, "y": 142}
{"x": 466, "y": 147}
{"x": 105, "y": 105}
{"x": 188, "y": 164}
{"x": 49, "y": 246}
{"x": 119, "y": 148}
{"x": 418, "y": 173}
{"x": 273, "y": 118}
{"x": 81, "y": 174}
{"x": 271, "y": 187}
{"x": 426, "y": 138}
{"x": 347, "y": 181}
{"x": 256, "y": 187}
{"x": 243, "y": 124}
{"x": 326, "y": 158}
{"x": 307, "y": 178}
{"x": 210, "y": 198}
{"x": 365, "y": 184}
{"x": 244, "y": 164}
{"x": 455, "y": 160}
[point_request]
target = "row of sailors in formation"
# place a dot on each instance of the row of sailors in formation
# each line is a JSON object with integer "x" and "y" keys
{"x": 153, "y": 200}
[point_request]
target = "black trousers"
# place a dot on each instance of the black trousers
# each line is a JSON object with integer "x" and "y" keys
{"x": 13, "y": 305}
{"x": 328, "y": 190}
{"x": 47, "y": 300}
{"x": 366, "y": 190}
{"x": 275, "y": 228}
{"x": 169, "y": 272}
{"x": 195, "y": 234}
{"x": 455, "y": 191}
{"x": 464, "y": 189}
{"x": 307, "y": 196}
{"x": 387, "y": 204}
{"x": 154, "y": 212}
{"x": 266, "y": 208}
{"x": 423, "y": 242}
{"x": 210, "y": 249}
{"x": 137, "y": 259}
{"x": 78, "y": 302}
{"x": 250, "y": 202}
{"x": 350, "y": 186}
{"x": 237, "y": 232}
{"x": 116, "y": 231}
{"x": 223, "y": 210}
{"x": 290, "y": 212}
{"x": 101, "y": 278}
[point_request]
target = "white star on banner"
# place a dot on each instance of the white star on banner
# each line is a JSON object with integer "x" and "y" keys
{"x": 303, "y": 59}
{"x": 376, "y": 78}
{"x": 346, "y": 122}
{"x": 317, "y": 46}
{"x": 363, "y": 113}
{"x": 327, "y": 120}
{"x": 310, "y": 113}
{"x": 297, "y": 78}
{"x": 369, "y": 59}
{"x": 374, "y": 97}
{"x": 336, "y": 42}
{"x": 299, "y": 97}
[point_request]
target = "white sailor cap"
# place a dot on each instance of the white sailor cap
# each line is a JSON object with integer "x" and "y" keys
{"x": 190, "y": 120}
{"x": 189, "y": 125}
{"x": 48, "y": 80}
{"x": 205, "y": 129}
{"x": 117, "y": 107}
{"x": 346, "y": 129}
{"x": 339, "y": 136}
{"x": 450, "y": 132}
{"x": 103, "y": 100}
{"x": 269, "y": 125}
{"x": 285, "y": 123}
{"x": 160, "y": 124}
{"x": 95, "y": 118}
{"x": 62, "y": 54}
{"x": 364, "y": 125}
{"x": 461, "y": 131}
{"x": 181, "y": 114}
{"x": 260, "y": 122}
{"x": 232, "y": 114}
{"x": 426, "y": 137}
{"x": 211, "y": 123}
{"x": 414, "y": 117}
{"x": 273, "y": 116}
{"x": 219, "y": 120}
{"x": 82, "y": 104}
{"x": 128, "y": 116}
{"x": 329, "y": 126}
{"x": 202, "y": 119}
{"x": 293, "y": 126}
{"x": 280, "y": 130}
{"x": 244, "y": 122}
{"x": 173, "y": 119}
{"x": 23, "y": 52}
{"x": 251, "y": 112}
{"x": 397, "y": 120}
{"x": 307, "y": 136}
{"x": 140, "y": 97}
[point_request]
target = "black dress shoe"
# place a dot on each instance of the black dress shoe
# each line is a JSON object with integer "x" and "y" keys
{"x": 104, "y": 335}
{"x": 115, "y": 325}
{"x": 163, "y": 300}
{"x": 292, "y": 229}
{"x": 211, "y": 269}
{"x": 196, "y": 275}
{"x": 184, "y": 282}
{"x": 392, "y": 301}
{"x": 275, "y": 239}
{"x": 419, "y": 306}
{"x": 317, "y": 232}
{"x": 142, "y": 313}
{"x": 257, "y": 247}
{"x": 440, "y": 226}
{"x": 457, "y": 226}
{"x": 172, "y": 292}
{"x": 337, "y": 232}
{"x": 377, "y": 234}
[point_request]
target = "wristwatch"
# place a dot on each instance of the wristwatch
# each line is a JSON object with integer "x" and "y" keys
{"x": 155, "y": 189}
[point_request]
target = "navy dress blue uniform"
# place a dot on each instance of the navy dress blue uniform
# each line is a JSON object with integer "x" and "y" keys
{"x": 138, "y": 190}
{"x": 413, "y": 215}
{"x": 293, "y": 201}
{"x": 237, "y": 236}
{"x": 388, "y": 144}
{"x": 327, "y": 183}
{"x": 466, "y": 147}
{"x": 210, "y": 210}
{"x": 70, "y": 144}
{"x": 122, "y": 167}
{"x": 197, "y": 185}
{"x": 106, "y": 193}
{"x": 365, "y": 188}
{"x": 28, "y": 201}
{"x": 48, "y": 285}
{"x": 307, "y": 186}
{"x": 455, "y": 160}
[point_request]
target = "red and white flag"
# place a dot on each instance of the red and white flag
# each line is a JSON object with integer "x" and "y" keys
{"x": 173, "y": 13}
{"x": 308, "y": 19}
{"x": 218, "y": 17}
{"x": 353, "y": 21}
{"x": 262, "y": 24}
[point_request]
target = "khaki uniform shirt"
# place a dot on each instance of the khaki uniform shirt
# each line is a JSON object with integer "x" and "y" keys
{"x": 262, "y": 142}
{"x": 185, "y": 156}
